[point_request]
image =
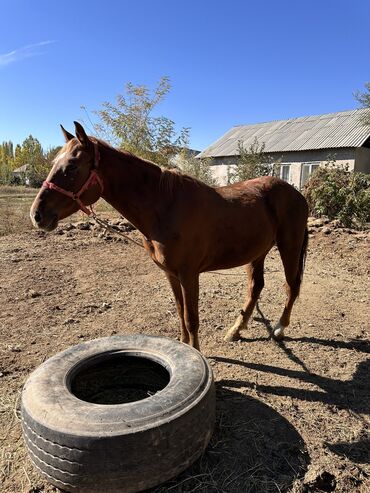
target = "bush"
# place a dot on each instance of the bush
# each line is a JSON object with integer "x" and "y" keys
{"x": 198, "y": 168}
{"x": 252, "y": 162}
{"x": 339, "y": 194}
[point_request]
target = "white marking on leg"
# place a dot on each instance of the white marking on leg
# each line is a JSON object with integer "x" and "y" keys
{"x": 278, "y": 332}
{"x": 233, "y": 333}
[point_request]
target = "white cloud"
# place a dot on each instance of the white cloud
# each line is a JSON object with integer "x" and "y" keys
{"x": 23, "y": 52}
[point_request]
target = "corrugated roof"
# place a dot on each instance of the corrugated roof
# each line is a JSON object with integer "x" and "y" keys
{"x": 329, "y": 131}
{"x": 21, "y": 169}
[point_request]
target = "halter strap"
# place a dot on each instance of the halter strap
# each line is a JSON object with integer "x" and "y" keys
{"x": 93, "y": 179}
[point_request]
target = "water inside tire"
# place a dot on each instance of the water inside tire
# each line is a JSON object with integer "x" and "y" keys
{"x": 119, "y": 379}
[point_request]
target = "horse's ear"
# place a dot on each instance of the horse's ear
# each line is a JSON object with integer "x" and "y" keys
{"x": 68, "y": 136}
{"x": 81, "y": 135}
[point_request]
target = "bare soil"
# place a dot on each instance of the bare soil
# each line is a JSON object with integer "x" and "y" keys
{"x": 291, "y": 416}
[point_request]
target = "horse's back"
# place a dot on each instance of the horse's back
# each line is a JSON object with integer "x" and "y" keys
{"x": 270, "y": 199}
{"x": 267, "y": 191}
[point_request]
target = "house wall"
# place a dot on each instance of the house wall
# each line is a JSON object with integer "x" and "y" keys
{"x": 362, "y": 160}
{"x": 220, "y": 168}
{"x": 295, "y": 159}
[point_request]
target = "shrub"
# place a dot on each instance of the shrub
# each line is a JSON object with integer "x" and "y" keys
{"x": 252, "y": 162}
{"x": 335, "y": 192}
{"x": 198, "y": 168}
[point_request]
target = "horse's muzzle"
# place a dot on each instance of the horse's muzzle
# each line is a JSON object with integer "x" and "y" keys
{"x": 46, "y": 222}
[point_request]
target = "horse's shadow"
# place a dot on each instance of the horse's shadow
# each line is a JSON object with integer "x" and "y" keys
{"x": 349, "y": 394}
{"x": 352, "y": 394}
{"x": 256, "y": 449}
{"x": 354, "y": 344}
{"x": 253, "y": 449}
{"x": 358, "y": 451}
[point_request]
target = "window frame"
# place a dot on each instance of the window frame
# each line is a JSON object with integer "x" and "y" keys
{"x": 310, "y": 164}
{"x": 286, "y": 165}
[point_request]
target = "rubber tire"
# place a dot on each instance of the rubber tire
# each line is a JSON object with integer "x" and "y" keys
{"x": 83, "y": 447}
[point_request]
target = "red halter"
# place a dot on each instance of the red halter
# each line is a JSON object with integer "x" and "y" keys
{"x": 92, "y": 180}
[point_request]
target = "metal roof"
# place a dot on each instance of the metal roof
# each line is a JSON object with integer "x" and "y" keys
{"x": 21, "y": 169}
{"x": 329, "y": 131}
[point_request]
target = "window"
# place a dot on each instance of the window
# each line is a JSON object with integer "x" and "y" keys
{"x": 285, "y": 172}
{"x": 306, "y": 171}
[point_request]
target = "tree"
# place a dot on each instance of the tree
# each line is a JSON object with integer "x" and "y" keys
{"x": 31, "y": 154}
{"x": 6, "y": 162}
{"x": 129, "y": 123}
{"x": 364, "y": 99}
{"x": 50, "y": 155}
{"x": 252, "y": 163}
{"x": 198, "y": 168}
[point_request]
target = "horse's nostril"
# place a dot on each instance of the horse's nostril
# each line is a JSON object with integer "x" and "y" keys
{"x": 37, "y": 216}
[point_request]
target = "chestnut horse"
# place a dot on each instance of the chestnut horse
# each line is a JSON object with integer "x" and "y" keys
{"x": 188, "y": 227}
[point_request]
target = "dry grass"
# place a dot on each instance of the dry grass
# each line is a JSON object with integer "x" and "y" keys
{"x": 12, "y": 450}
{"x": 15, "y": 203}
{"x": 238, "y": 458}
{"x": 14, "y": 215}
{"x": 6, "y": 190}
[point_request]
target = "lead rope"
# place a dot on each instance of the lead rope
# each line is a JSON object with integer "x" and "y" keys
{"x": 109, "y": 228}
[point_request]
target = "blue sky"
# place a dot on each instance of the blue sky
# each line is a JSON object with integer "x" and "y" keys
{"x": 230, "y": 62}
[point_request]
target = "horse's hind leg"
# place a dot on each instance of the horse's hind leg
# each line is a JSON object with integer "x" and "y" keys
{"x": 190, "y": 294}
{"x": 255, "y": 286}
{"x": 176, "y": 289}
{"x": 293, "y": 259}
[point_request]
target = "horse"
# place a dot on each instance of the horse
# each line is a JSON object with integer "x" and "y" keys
{"x": 187, "y": 226}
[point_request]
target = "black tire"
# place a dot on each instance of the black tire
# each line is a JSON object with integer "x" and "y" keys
{"x": 87, "y": 447}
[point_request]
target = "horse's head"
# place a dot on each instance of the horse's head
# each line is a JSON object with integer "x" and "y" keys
{"x": 71, "y": 184}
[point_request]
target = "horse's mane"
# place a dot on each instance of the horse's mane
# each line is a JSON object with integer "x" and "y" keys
{"x": 171, "y": 179}
{"x": 174, "y": 179}
{"x": 109, "y": 147}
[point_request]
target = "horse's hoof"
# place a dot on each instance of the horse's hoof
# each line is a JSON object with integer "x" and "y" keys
{"x": 278, "y": 333}
{"x": 231, "y": 337}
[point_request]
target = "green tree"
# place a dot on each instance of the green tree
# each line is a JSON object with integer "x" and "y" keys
{"x": 6, "y": 162}
{"x": 50, "y": 155}
{"x": 31, "y": 154}
{"x": 198, "y": 168}
{"x": 252, "y": 162}
{"x": 364, "y": 99}
{"x": 130, "y": 124}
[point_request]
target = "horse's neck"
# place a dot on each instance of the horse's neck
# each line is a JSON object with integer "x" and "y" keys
{"x": 131, "y": 186}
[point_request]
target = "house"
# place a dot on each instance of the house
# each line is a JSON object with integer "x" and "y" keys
{"x": 300, "y": 144}
{"x": 20, "y": 175}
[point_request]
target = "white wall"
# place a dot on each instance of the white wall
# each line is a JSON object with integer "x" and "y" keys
{"x": 219, "y": 166}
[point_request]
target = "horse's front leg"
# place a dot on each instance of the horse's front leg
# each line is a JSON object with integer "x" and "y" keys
{"x": 177, "y": 292}
{"x": 190, "y": 294}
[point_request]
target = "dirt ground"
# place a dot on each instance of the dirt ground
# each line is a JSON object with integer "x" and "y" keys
{"x": 292, "y": 416}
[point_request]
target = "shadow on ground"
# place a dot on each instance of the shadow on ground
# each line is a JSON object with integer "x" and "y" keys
{"x": 357, "y": 451}
{"x": 345, "y": 394}
{"x": 253, "y": 450}
{"x": 350, "y": 394}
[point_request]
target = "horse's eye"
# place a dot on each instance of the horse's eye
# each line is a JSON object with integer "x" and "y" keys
{"x": 72, "y": 167}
